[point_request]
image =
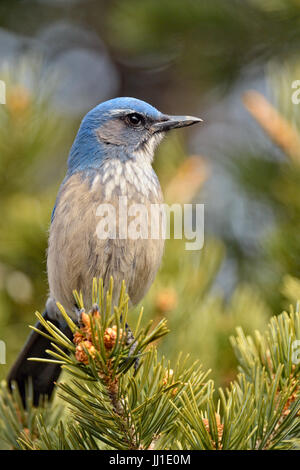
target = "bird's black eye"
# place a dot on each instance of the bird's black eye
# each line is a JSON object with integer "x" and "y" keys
{"x": 135, "y": 119}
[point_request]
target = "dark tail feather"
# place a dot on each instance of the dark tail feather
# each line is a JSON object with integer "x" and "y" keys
{"x": 43, "y": 375}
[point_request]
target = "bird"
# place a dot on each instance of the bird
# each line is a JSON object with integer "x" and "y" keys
{"x": 111, "y": 158}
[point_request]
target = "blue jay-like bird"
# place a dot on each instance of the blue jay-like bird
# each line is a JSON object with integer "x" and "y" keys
{"x": 110, "y": 157}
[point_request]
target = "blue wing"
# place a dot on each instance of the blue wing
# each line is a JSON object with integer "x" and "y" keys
{"x": 57, "y": 197}
{"x": 53, "y": 212}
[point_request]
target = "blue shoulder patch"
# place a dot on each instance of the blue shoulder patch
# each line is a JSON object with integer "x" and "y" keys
{"x": 53, "y": 212}
{"x": 57, "y": 197}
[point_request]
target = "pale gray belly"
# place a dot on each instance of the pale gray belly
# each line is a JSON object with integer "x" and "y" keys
{"x": 76, "y": 254}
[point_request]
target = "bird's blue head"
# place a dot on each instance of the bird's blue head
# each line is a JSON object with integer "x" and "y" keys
{"x": 121, "y": 128}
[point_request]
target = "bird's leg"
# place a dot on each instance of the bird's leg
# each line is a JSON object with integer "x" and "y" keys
{"x": 130, "y": 340}
{"x": 78, "y": 312}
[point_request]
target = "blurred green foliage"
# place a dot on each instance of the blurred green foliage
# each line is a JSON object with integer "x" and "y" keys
{"x": 271, "y": 177}
{"x": 33, "y": 138}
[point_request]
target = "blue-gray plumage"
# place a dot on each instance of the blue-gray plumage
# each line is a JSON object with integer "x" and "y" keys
{"x": 111, "y": 157}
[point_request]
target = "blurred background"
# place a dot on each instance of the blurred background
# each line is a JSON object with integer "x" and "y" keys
{"x": 230, "y": 62}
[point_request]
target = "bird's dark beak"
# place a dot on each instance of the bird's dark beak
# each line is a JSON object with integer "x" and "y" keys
{"x": 172, "y": 122}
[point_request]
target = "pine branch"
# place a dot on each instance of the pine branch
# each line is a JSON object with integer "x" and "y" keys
{"x": 109, "y": 399}
{"x": 17, "y": 421}
{"x": 110, "y": 404}
{"x": 261, "y": 409}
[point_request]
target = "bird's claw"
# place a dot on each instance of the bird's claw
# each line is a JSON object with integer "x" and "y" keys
{"x": 131, "y": 341}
